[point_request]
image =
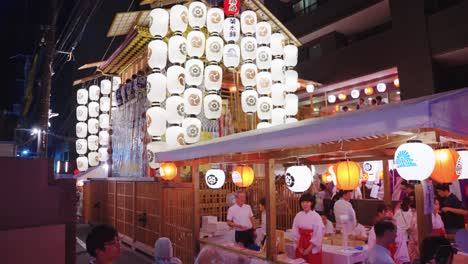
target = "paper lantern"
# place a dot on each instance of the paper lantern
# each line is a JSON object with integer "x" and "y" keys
{"x": 104, "y": 104}
{"x": 214, "y": 20}
{"x": 248, "y": 48}
{"x": 82, "y": 96}
{"x": 116, "y": 81}
{"x": 103, "y": 138}
{"x": 396, "y": 82}
{"x": 213, "y": 77}
{"x": 414, "y": 161}
{"x": 151, "y": 150}
{"x": 231, "y": 56}
{"x": 232, "y": 7}
{"x": 248, "y": 22}
{"x": 168, "y": 171}
{"x": 243, "y": 176}
{"x": 232, "y": 89}
{"x": 277, "y": 94}
{"x": 215, "y": 178}
{"x": 263, "y": 58}
{"x": 298, "y": 178}
{"x": 464, "y": 161}
{"x": 214, "y": 48}
{"x": 106, "y": 87}
{"x": 381, "y": 87}
{"x": 310, "y": 88}
{"x": 82, "y": 113}
{"x": 93, "y": 142}
{"x": 82, "y": 163}
{"x": 369, "y": 90}
{"x": 231, "y": 29}
{"x": 342, "y": 96}
{"x": 264, "y": 82}
{"x": 195, "y": 44}
{"x": 277, "y": 44}
{"x": 348, "y": 174}
{"x": 178, "y": 18}
{"x": 264, "y": 108}
{"x": 194, "y": 72}
{"x": 263, "y": 124}
{"x": 332, "y": 99}
{"x": 278, "y": 116}
{"x": 290, "y": 120}
{"x": 93, "y": 126}
{"x": 263, "y": 33}
{"x": 114, "y": 100}
{"x": 291, "y": 79}
{"x": 177, "y": 49}
{"x": 175, "y": 110}
{"x": 249, "y": 101}
{"x": 213, "y": 106}
{"x": 448, "y": 166}
{"x": 355, "y": 94}
{"x": 381, "y": 176}
{"x": 81, "y": 129}
{"x": 103, "y": 154}
{"x": 248, "y": 74}
{"x": 158, "y": 22}
{"x": 156, "y": 87}
{"x": 175, "y": 81}
{"x": 104, "y": 120}
{"x": 157, "y": 54}
{"x": 156, "y": 119}
{"x": 81, "y": 146}
{"x": 371, "y": 168}
{"x": 193, "y": 101}
{"x": 277, "y": 70}
{"x": 364, "y": 177}
{"x": 192, "y": 130}
{"x": 290, "y": 55}
{"x": 93, "y": 159}
{"x": 326, "y": 177}
{"x": 93, "y": 109}
{"x": 175, "y": 136}
{"x": 94, "y": 92}
{"x": 197, "y": 14}
{"x": 292, "y": 104}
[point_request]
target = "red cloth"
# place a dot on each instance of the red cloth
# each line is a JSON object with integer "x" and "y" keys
{"x": 438, "y": 231}
{"x": 304, "y": 242}
{"x": 392, "y": 248}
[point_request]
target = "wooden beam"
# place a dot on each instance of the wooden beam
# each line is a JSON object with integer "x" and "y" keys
{"x": 386, "y": 179}
{"x": 196, "y": 207}
{"x": 270, "y": 191}
{"x": 424, "y": 222}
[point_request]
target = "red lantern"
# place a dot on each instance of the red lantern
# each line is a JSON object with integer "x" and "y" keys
{"x": 369, "y": 90}
{"x": 232, "y": 7}
{"x": 396, "y": 82}
{"x": 448, "y": 166}
{"x": 342, "y": 97}
{"x": 168, "y": 171}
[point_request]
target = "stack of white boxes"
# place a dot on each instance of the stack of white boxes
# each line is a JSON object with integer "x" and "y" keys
{"x": 210, "y": 225}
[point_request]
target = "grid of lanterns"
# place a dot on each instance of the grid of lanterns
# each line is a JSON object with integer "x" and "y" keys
{"x": 92, "y": 128}
{"x": 355, "y": 93}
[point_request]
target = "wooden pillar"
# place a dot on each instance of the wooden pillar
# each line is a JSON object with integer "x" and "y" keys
{"x": 196, "y": 207}
{"x": 134, "y": 217}
{"x": 270, "y": 192}
{"x": 424, "y": 222}
{"x": 386, "y": 179}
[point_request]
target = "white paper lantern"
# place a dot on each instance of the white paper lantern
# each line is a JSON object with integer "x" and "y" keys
{"x": 93, "y": 109}
{"x": 264, "y": 82}
{"x": 248, "y": 22}
{"x": 263, "y": 124}
{"x": 106, "y": 87}
{"x": 291, "y": 120}
{"x": 116, "y": 82}
{"x": 175, "y": 110}
{"x": 264, "y": 108}
{"x": 103, "y": 138}
{"x": 178, "y": 18}
{"x": 197, "y": 14}
{"x": 291, "y": 78}
{"x": 158, "y": 22}
{"x": 103, "y": 154}
{"x": 81, "y": 129}
{"x": 214, "y": 48}
{"x": 292, "y": 104}
{"x": 177, "y": 49}
{"x": 156, "y": 121}
{"x": 231, "y": 29}
{"x": 175, "y": 79}
{"x": 381, "y": 87}
{"x": 194, "y": 72}
{"x": 114, "y": 100}
{"x": 195, "y": 44}
{"x": 82, "y": 113}
{"x": 231, "y": 56}
{"x": 249, "y": 101}
{"x": 332, "y": 98}
{"x": 193, "y": 101}
{"x": 277, "y": 70}
{"x": 157, "y": 54}
{"x": 278, "y": 116}
{"x": 372, "y": 169}
{"x": 263, "y": 58}
{"x": 93, "y": 126}
{"x": 290, "y": 55}
{"x": 93, "y": 142}
{"x": 464, "y": 161}
{"x": 82, "y": 163}
{"x": 249, "y": 75}
{"x": 175, "y": 136}
{"x": 248, "y": 48}
{"x": 93, "y": 159}
{"x": 355, "y": 94}
{"x": 263, "y": 33}
{"x": 104, "y": 120}
{"x": 414, "y": 161}
{"x": 310, "y": 88}
{"x": 215, "y": 178}
{"x": 214, "y": 20}
{"x": 156, "y": 87}
{"x": 298, "y": 178}
{"x": 213, "y": 77}
{"x": 192, "y": 130}
{"x": 151, "y": 150}
{"x": 277, "y": 94}
{"x": 213, "y": 106}
{"x": 94, "y": 93}
{"x": 81, "y": 146}
{"x": 82, "y": 96}
{"x": 277, "y": 44}
{"x": 104, "y": 104}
